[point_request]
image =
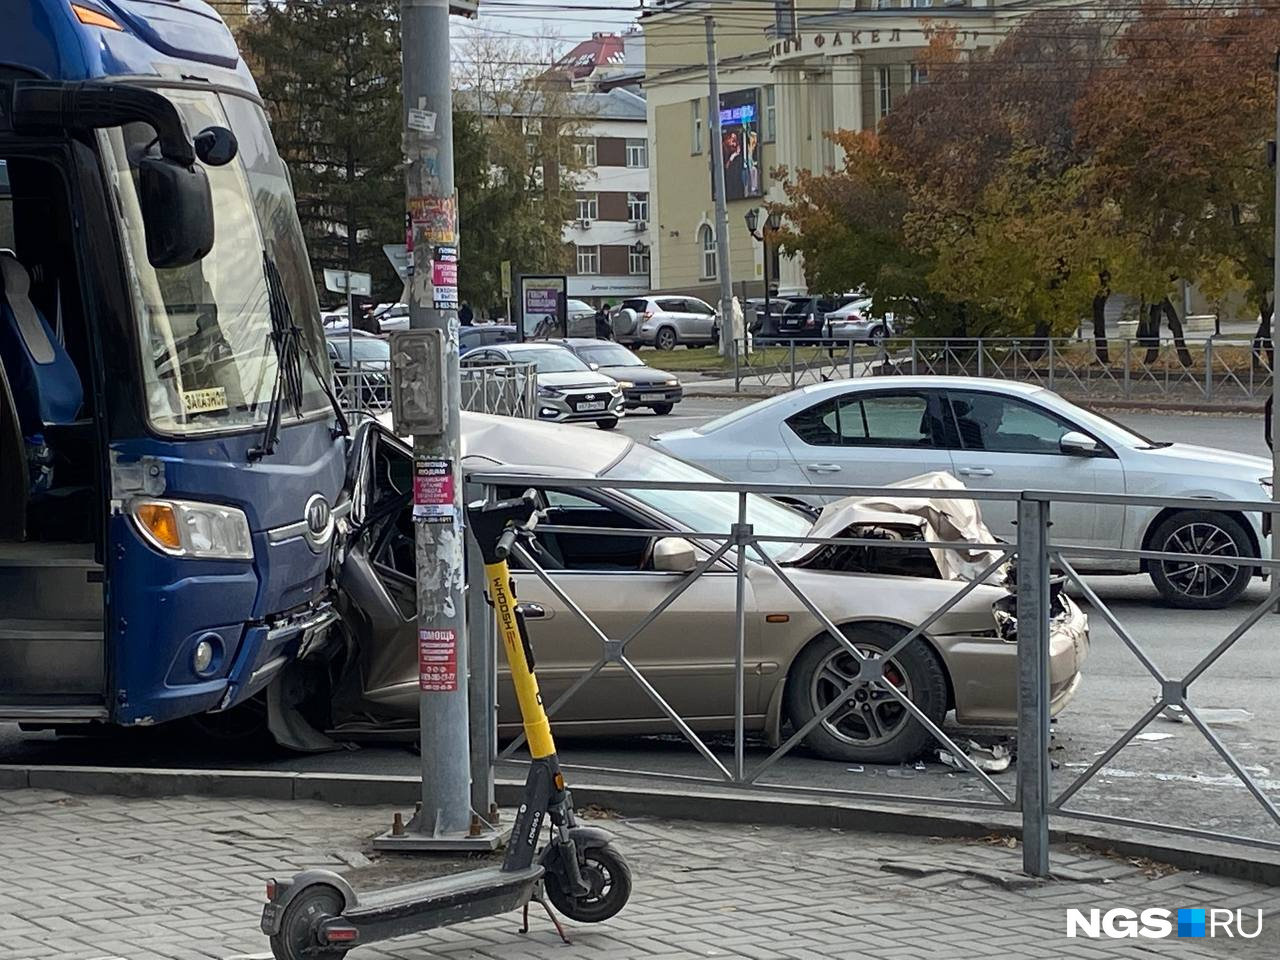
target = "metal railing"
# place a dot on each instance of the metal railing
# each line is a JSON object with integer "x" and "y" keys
{"x": 1216, "y": 369}
{"x": 1034, "y": 557}
{"x": 510, "y": 390}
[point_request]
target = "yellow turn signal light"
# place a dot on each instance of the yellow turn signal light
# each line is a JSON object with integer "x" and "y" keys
{"x": 160, "y": 522}
{"x": 93, "y": 18}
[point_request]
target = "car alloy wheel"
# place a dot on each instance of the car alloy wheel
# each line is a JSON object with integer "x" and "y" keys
{"x": 871, "y": 714}
{"x": 1201, "y": 584}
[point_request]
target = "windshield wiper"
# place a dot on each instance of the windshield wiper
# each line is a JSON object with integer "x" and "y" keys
{"x": 286, "y": 336}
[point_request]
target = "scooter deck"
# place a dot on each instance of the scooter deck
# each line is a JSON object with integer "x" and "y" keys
{"x": 441, "y": 901}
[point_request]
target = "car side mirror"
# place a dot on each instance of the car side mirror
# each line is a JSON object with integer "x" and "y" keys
{"x": 594, "y": 366}
{"x": 1076, "y": 444}
{"x": 674, "y": 555}
{"x": 177, "y": 211}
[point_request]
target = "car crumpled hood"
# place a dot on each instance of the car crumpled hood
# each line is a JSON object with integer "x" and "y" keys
{"x": 937, "y": 518}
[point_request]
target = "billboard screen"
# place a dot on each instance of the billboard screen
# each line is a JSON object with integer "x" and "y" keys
{"x": 740, "y": 137}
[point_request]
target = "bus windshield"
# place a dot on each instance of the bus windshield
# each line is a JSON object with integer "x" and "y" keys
{"x": 204, "y": 330}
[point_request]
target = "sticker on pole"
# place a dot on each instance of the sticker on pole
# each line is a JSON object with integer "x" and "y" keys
{"x": 433, "y": 491}
{"x": 438, "y": 660}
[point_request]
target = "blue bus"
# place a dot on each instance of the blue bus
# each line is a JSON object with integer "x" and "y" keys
{"x": 172, "y": 459}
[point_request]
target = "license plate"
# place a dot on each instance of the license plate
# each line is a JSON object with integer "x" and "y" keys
{"x": 591, "y": 405}
{"x": 653, "y": 396}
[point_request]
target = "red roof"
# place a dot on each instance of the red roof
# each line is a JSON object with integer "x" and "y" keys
{"x": 589, "y": 56}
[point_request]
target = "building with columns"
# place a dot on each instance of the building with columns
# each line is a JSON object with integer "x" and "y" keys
{"x": 810, "y": 68}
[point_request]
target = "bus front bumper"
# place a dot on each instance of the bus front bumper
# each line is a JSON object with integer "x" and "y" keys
{"x": 268, "y": 647}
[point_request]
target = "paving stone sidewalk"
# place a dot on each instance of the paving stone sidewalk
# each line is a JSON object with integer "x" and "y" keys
{"x": 107, "y": 878}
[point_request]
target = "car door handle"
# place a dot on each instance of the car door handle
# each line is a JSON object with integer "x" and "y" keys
{"x": 822, "y": 467}
{"x": 975, "y": 472}
{"x": 532, "y": 611}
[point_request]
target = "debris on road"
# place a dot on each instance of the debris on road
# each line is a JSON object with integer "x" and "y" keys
{"x": 1154, "y": 737}
{"x": 993, "y": 759}
{"x": 1214, "y": 716}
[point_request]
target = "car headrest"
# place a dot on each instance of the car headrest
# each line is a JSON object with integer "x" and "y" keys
{"x": 16, "y": 292}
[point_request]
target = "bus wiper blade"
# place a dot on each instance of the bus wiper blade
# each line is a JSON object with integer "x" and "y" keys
{"x": 288, "y": 382}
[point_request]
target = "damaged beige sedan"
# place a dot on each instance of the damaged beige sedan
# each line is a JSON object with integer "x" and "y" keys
{"x": 965, "y": 662}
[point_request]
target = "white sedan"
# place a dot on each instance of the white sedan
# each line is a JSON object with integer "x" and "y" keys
{"x": 995, "y": 434}
{"x": 855, "y": 321}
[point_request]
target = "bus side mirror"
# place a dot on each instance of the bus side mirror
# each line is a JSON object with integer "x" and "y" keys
{"x": 177, "y": 212}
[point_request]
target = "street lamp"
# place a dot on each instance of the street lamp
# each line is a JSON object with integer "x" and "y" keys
{"x": 772, "y": 224}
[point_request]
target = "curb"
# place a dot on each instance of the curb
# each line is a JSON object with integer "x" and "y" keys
{"x": 1087, "y": 402}
{"x": 714, "y": 806}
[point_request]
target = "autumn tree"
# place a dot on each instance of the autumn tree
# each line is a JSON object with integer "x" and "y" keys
{"x": 1176, "y": 123}
{"x": 521, "y": 188}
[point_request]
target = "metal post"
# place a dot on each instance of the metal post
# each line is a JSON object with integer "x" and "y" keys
{"x": 717, "y": 182}
{"x": 351, "y": 326}
{"x": 791, "y": 362}
{"x": 1127, "y": 345}
{"x": 740, "y": 534}
{"x": 982, "y": 350}
{"x": 482, "y": 682}
{"x": 428, "y": 144}
{"x": 764, "y": 239}
{"x": 1208, "y": 368}
{"x": 1033, "y": 684}
{"x": 1051, "y": 365}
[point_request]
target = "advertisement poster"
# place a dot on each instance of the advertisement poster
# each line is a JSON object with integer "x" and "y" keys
{"x": 436, "y": 217}
{"x": 740, "y": 136}
{"x": 433, "y": 491}
{"x": 543, "y": 306}
{"x": 438, "y": 660}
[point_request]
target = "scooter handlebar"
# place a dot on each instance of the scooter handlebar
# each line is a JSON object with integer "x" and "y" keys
{"x": 497, "y": 525}
{"x": 505, "y": 543}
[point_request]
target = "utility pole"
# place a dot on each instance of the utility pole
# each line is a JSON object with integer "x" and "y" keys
{"x": 444, "y": 819}
{"x": 1275, "y": 374}
{"x": 717, "y": 182}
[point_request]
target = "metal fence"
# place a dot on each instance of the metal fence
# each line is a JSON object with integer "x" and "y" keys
{"x": 510, "y": 390}
{"x": 1215, "y": 369}
{"x": 1038, "y": 797}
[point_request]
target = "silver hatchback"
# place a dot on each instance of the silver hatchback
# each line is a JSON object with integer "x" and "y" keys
{"x": 664, "y": 322}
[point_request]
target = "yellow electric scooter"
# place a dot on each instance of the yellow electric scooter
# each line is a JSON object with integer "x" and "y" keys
{"x": 318, "y": 916}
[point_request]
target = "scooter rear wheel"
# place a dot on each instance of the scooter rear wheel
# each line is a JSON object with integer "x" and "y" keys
{"x": 297, "y": 938}
{"x": 605, "y": 869}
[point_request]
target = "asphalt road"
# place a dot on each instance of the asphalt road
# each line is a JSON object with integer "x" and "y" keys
{"x": 1173, "y": 776}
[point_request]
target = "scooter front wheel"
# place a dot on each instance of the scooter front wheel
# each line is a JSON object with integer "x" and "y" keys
{"x": 605, "y": 870}
{"x": 297, "y": 939}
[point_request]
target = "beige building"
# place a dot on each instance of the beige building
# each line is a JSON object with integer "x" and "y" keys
{"x": 813, "y": 67}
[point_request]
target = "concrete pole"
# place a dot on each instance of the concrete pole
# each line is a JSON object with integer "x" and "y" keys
{"x": 717, "y": 181}
{"x": 1275, "y": 374}
{"x": 428, "y": 144}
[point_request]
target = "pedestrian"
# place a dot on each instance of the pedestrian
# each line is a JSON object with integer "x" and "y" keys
{"x": 466, "y": 316}
{"x": 366, "y": 321}
{"x": 604, "y": 326}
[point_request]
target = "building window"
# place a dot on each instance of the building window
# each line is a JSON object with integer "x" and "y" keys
{"x": 637, "y": 153}
{"x": 884, "y": 80}
{"x": 585, "y": 151}
{"x": 919, "y": 74}
{"x": 770, "y": 114}
{"x": 707, "y": 240}
{"x": 532, "y": 126}
{"x": 638, "y": 207}
{"x": 588, "y": 206}
{"x": 638, "y": 263}
{"x": 697, "y": 127}
{"x": 588, "y": 260}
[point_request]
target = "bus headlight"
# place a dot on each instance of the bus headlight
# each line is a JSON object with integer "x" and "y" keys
{"x": 187, "y": 528}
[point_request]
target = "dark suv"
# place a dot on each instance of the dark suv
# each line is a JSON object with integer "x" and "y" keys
{"x": 805, "y": 317}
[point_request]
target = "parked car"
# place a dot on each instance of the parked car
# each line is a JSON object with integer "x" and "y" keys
{"x": 486, "y": 334}
{"x": 855, "y": 322}
{"x": 392, "y": 317}
{"x": 765, "y": 316}
{"x": 569, "y": 391}
{"x": 804, "y": 317}
{"x": 642, "y": 386}
{"x": 362, "y": 369}
{"x": 995, "y": 434}
{"x": 966, "y": 661}
{"x": 665, "y": 322}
